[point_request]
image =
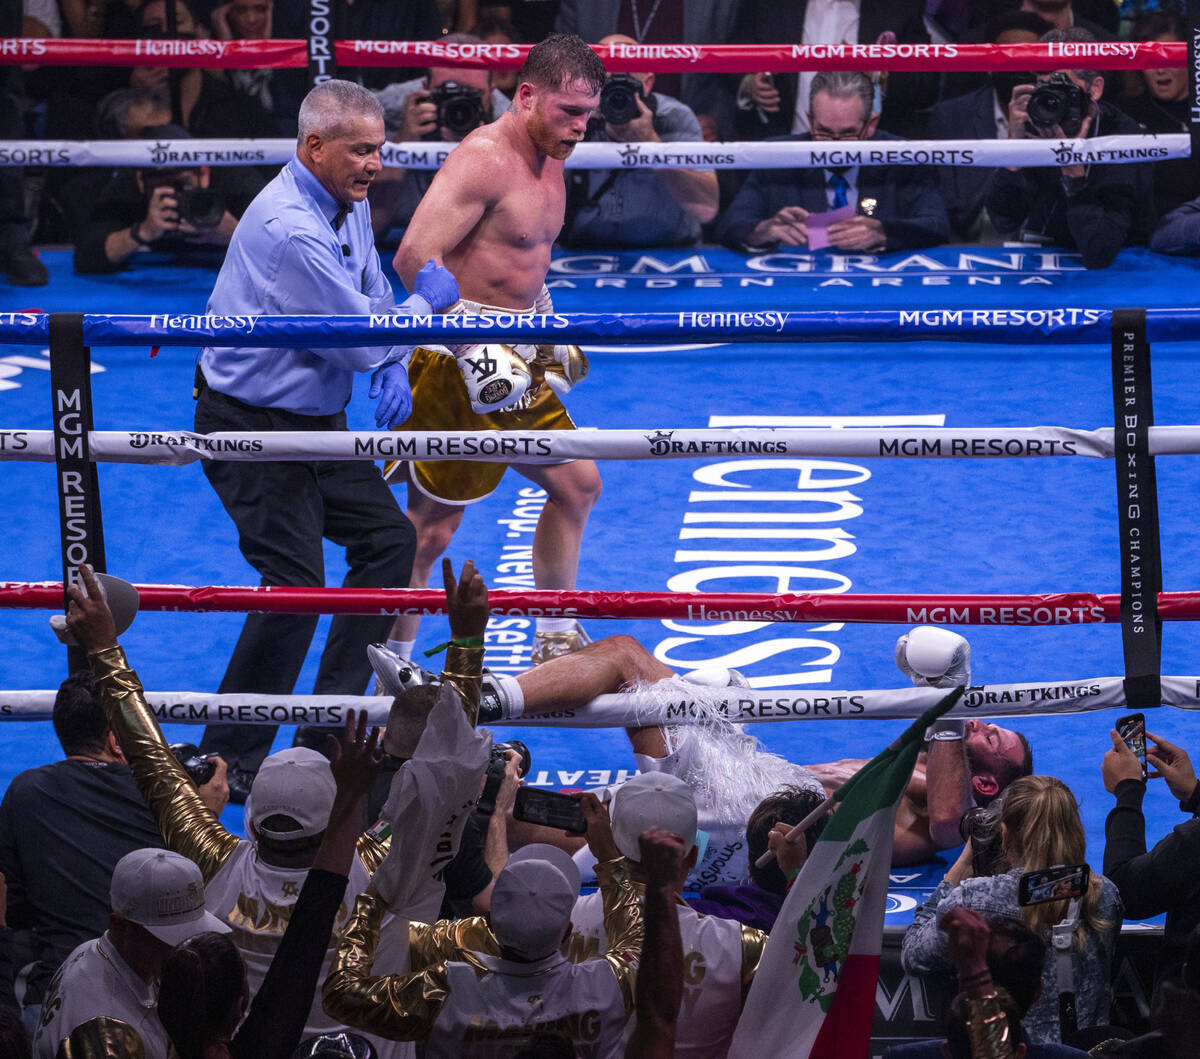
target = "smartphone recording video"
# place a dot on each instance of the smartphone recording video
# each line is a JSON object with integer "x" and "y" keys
{"x": 1059, "y": 883}
{"x": 1132, "y": 728}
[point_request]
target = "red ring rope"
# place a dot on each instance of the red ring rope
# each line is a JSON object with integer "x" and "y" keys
{"x": 679, "y": 58}
{"x": 1062, "y": 608}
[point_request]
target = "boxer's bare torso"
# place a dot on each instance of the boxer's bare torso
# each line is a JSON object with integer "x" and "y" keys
{"x": 495, "y": 208}
{"x": 912, "y": 842}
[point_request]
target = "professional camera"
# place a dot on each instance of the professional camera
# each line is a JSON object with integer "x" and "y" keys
{"x": 619, "y": 99}
{"x": 1057, "y": 101}
{"x": 982, "y": 827}
{"x": 200, "y": 767}
{"x": 200, "y": 207}
{"x": 459, "y": 108}
{"x": 495, "y": 773}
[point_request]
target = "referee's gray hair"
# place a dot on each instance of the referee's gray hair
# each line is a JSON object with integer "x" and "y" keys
{"x": 331, "y": 105}
{"x": 844, "y": 84}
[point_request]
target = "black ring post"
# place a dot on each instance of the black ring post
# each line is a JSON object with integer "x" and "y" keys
{"x": 1137, "y": 505}
{"x": 322, "y": 24}
{"x": 78, "y": 483}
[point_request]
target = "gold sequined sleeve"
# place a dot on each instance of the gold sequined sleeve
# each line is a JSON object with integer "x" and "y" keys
{"x": 402, "y": 1007}
{"x": 463, "y": 670}
{"x": 371, "y": 851}
{"x": 624, "y": 923}
{"x": 102, "y": 1038}
{"x": 187, "y": 825}
{"x": 753, "y": 943}
{"x": 449, "y": 939}
{"x": 987, "y": 1027}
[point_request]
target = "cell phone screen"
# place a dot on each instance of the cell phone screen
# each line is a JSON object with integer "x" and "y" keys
{"x": 549, "y": 808}
{"x": 1059, "y": 883}
{"x": 1132, "y": 728}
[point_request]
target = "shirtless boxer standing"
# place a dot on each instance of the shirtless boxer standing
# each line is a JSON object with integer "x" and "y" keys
{"x": 490, "y": 216}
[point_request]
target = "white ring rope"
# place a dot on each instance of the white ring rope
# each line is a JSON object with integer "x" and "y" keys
{"x": 1096, "y": 150}
{"x": 687, "y": 704}
{"x": 178, "y": 448}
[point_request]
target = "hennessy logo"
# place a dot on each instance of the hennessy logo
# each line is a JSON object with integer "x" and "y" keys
{"x": 660, "y": 441}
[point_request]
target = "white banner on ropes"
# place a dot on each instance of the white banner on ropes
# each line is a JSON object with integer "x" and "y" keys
{"x": 1098, "y": 150}
{"x": 620, "y": 711}
{"x": 181, "y": 447}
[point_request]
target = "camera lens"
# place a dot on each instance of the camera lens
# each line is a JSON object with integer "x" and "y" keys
{"x": 619, "y": 99}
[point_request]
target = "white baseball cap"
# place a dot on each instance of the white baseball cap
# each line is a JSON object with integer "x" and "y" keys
{"x": 163, "y": 892}
{"x": 652, "y": 799}
{"x": 533, "y": 899}
{"x": 297, "y": 783}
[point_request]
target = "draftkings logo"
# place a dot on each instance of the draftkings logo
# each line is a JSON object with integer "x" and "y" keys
{"x": 660, "y": 441}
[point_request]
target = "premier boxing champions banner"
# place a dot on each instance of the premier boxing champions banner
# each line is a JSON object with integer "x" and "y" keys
{"x": 1099, "y": 150}
{"x": 178, "y": 448}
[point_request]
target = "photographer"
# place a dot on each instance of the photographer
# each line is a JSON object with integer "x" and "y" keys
{"x": 1039, "y": 825}
{"x": 1095, "y": 209}
{"x": 1164, "y": 878}
{"x": 180, "y": 211}
{"x": 443, "y": 106}
{"x": 638, "y": 207}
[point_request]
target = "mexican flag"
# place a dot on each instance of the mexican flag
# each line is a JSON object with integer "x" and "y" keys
{"x": 814, "y": 993}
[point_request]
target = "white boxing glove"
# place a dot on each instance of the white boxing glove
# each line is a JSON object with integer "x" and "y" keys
{"x": 496, "y": 376}
{"x": 564, "y": 366}
{"x": 934, "y": 658}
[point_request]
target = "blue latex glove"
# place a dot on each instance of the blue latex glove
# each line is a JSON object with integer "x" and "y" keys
{"x": 390, "y": 385}
{"x": 436, "y": 285}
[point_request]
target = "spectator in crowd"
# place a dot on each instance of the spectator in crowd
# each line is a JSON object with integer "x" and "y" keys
{"x": 995, "y": 958}
{"x": 186, "y": 211}
{"x": 531, "y": 20}
{"x": 1098, "y": 17}
{"x": 253, "y": 883}
{"x": 757, "y": 902}
{"x": 668, "y": 22}
{"x": 443, "y": 106}
{"x": 770, "y": 105}
{"x": 1162, "y": 879}
{"x": 492, "y": 29}
{"x": 157, "y": 901}
{"x": 1095, "y": 209}
{"x": 659, "y": 991}
{"x": 895, "y": 207}
{"x": 1040, "y": 827}
{"x": 638, "y": 207}
{"x": 1160, "y": 104}
{"x": 728, "y": 951}
{"x": 305, "y": 246}
{"x": 90, "y": 805}
{"x": 1178, "y": 232}
{"x": 22, "y": 267}
{"x": 209, "y": 106}
{"x": 251, "y": 20}
{"x": 203, "y": 994}
{"x": 981, "y": 114}
{"x": 461, "y": 1002}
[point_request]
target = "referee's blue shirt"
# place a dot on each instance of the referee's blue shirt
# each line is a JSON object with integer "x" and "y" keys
{"x": 285, "y": 258}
